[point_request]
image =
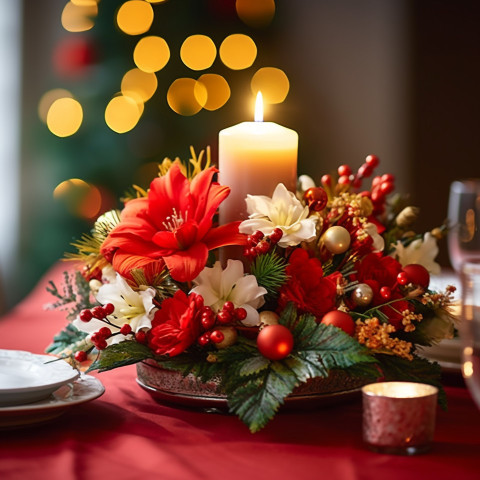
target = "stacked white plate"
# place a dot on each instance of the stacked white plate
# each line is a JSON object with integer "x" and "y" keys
{"x": 36, "y": 388}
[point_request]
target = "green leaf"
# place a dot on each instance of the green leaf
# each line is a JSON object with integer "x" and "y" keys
{"x": 418, "y": 370}
{"x": 269, "y": 269}
{"x": 121, "y": 354}
{"x": 254, "y": 365}
{"x": 65, "y": 339}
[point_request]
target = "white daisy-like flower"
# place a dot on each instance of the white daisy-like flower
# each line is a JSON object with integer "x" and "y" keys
{"x": 378, "y": 241}
{"x": 135, "y": 308}
{"x": 218, "y": 286}
{"x": 282, "y": 211}
{"x": 420, "y": 251}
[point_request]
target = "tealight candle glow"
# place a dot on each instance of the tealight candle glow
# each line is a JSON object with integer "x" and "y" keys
{"x": 399, "y": 417}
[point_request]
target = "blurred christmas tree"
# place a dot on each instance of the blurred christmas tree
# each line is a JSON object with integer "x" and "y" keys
{"x": 133, "y": 82}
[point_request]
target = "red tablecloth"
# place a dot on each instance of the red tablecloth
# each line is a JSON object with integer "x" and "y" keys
{"x": 125, "y": 434}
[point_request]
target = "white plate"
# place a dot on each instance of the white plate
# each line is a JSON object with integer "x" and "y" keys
{"x": 85, "y": 389}
{"x": 26, "y": 377}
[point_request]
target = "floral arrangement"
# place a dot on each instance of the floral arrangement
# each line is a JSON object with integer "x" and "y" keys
{"x": 332, "y": 278}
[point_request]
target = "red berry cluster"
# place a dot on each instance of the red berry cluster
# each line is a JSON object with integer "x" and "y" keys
{"x": 259, "y": 244}
{"x": 381, "y": 187}
{"x": 99, "y": 339}
{"x": 227, "y": 315}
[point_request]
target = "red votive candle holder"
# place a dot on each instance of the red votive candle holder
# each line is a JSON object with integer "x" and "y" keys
{"x": 399, "y": 417}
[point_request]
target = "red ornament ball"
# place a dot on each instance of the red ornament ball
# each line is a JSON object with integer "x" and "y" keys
{"x": 275, "y": 342}
{"x": 417, "y": 274}
{"x": 316, "y": 198}
{"x": 341, "y": 320}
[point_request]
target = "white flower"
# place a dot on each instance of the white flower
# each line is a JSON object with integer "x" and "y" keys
{"x": 282, "y": 211}
{"x": 305, "y": 182}
{"x": 218, "y": 286}
{"x": 420, "y": 251}
{"x": 134, "y": 308}
{"x": 378, "y": 241}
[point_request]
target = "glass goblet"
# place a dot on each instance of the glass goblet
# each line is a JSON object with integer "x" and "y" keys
{"x": 464, "y": 220}
{"x": 470, "y": 327}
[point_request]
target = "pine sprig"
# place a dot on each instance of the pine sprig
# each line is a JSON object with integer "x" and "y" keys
{"x": 269, "y": 269}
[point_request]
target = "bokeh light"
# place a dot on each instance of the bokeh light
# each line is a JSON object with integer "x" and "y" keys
{"x": 185, "y": 97}
{"x": 198, "y": 52}
{"x": 135, "y": 17}
{"x": 64, "y": 117}
{"x": 255, "y": 13}
{"x": 122, "y": 113}
{"x": 81, "y": 198}
{"x": 218, "y": 91}
{"x": 272, "y": 82}
{"x": 48, "y": 98}
{"x": 138, "y": 82}
{"x": 78, "y": 17}
{"x": 156, "y": 1}
{"x": 238, "y": 51}
{"x": 151, "y": 54}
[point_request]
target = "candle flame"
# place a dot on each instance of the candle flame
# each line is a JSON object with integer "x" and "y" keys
{"x": 259, "y": 107}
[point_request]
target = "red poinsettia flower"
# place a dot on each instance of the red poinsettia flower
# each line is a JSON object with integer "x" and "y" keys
{"x": 172, "y": 226}
{"x": 177, "y": 324}
{"x": 307, "y": 288}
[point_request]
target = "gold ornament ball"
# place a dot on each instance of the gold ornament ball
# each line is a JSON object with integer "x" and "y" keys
{"x": 336, "y": 239}
{"x": 362, "y": 295}
{"x": 230, "y": 337}
{"x": 267, "y": 317}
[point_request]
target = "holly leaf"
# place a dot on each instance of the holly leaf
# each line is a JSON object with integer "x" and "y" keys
{"x": 119, "y": 355}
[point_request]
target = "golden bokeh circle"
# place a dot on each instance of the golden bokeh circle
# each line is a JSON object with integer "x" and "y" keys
{"x": 218, "y": 91}
{"x": 122, "y": 113}
{"x": 272, "y": 82}
{"x": 151, "y": 54}
{"x": 140, "y": 82}
{"x": 79, "y": 17}
{"x": 48, "y": 98}
{"x": 238, "y": 51}
{"x": 185, "y": 97}
{"x": 135, "y": 17}
{"x": 64, "y": 117}
{"x": 81, "y": 198}
{"x": 198, "y": 52}
{"x": 255, "y": 13}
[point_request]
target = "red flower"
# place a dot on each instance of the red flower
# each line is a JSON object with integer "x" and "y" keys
{"x": 307, "y": 288}
{"x": 172, "y": 226}
{"x": 378, "y": 272}
{"x": 176, "y": 325}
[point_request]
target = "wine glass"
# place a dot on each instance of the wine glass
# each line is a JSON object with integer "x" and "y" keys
{"x": 464, "y": 220}
{"x": 470, "y": 326}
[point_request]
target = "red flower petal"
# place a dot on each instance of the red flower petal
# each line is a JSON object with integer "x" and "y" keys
{"x": 185, "y": 265}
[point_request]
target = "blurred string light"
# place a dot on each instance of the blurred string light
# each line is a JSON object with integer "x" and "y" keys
{"x": 255, "y": 13}
{"x": 64, "y": 117}
{"x": 48, "y": 98}
{"x": 79, "y": 15}
{"x": 198, "y": 52}
{"x": 151, "y": 54}
{"x": 123, "y": 113}
{"x": 272, "y": 82}
{"x": 185, "y": 96}
{"x": 238, "y": 51}
{"x": 218, "y": 91}
{"x": 135, "y": 17}
{"x": 81, "y": 198}
{"x": 138, "y": 82}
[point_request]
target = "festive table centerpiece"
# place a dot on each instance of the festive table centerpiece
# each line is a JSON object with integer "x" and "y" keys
{"x": 327, "y": 278}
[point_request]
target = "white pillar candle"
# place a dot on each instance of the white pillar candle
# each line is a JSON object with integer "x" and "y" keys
{"x": 254, "y": 157}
